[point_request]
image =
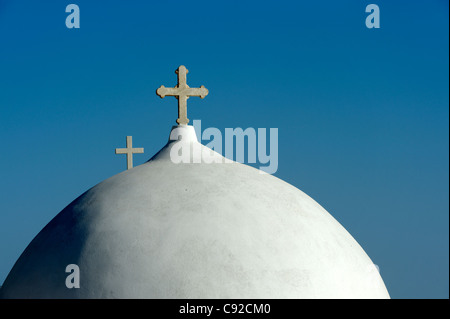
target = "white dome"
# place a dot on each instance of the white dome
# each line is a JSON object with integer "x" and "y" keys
{"x": 166, "y": 230}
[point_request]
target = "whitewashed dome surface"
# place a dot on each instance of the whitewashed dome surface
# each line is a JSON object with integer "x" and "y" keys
{"x": 166, "y": 230}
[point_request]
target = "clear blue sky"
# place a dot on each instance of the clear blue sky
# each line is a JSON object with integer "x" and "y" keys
{"x": 362, "y": 113}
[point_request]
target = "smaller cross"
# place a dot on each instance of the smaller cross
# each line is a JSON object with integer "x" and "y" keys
{"x": 129, "y": 151}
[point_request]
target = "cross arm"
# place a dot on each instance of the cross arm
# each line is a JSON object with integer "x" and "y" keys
{"x": 201, "y": 92}
{"x": 162, "y": 91}
{"x": 121, "y": 151}
{"x": 138, "y": 150}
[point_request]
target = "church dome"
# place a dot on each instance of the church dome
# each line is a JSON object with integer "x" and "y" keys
{"x": 194, "y": 230}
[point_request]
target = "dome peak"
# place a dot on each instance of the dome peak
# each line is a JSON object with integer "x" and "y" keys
{"x": 183, "y": 133}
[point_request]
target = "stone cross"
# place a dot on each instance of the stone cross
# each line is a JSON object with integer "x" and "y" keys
{"x": 129, "y": 151}
{"x": 182, "y": 92}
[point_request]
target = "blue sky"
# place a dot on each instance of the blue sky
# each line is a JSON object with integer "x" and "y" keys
{"x": 362, "y": 113}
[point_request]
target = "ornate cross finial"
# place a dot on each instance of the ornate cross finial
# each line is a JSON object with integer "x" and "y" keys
{"x": 129, "y": 151}
{"x": 182, "y": 92}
